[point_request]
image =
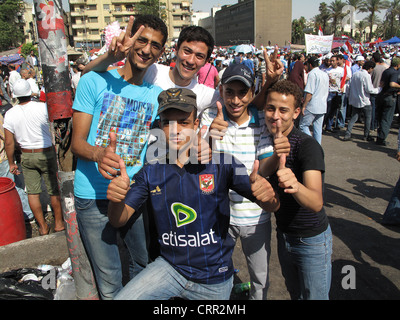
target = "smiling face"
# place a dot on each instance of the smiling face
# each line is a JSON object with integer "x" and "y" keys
{"x": 281, "y": 107}
{"x": 147, "y": 49}
{"x": 191, "y": 56}
{"x": 236, "y": 96}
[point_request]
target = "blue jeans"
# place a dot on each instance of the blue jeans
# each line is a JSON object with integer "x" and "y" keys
{"x": 392, "y": 212}
{"x": 374, "y": 121}
{"x": 355, "y": 113}
{"x": 99, "y": 238}
{"x": 306, "y": 265}
{"x": 19, "y": 186}
{"x": 386, "y": 107}
{"x": 341, "y": 115}
{"x": 334, "y": 102}
{"x": 160, "y": 281}
{"x": 316, "y": 120}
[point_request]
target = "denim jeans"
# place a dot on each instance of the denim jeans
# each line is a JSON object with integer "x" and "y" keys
{"x": 341, "y": 115}
{"x": 386, "y": 108}
{"x": 392, "y": 212}
{"x": 306, "y": 265}
{"x": 160, "y": 281}
{"x": 99, "y": 238}
{"x": 355, "y": 113}
{"x": 316, "y": 120}
{"x": 19, "y": 186}
{"x": 374, "y": 121}
{"x": 334, "y": 102}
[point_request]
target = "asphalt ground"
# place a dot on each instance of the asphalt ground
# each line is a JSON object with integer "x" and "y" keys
{"x": 359, "y": 181}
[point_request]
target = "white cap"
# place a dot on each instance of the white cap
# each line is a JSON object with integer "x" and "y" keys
{"x": 21, "y": 88}
{"x": 360, "y": 58}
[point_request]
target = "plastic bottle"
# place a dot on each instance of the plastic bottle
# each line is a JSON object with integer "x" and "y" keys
{"x": 241, "y": 287}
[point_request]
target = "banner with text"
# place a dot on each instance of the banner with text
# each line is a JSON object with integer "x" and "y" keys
{"x": 318, "y": 44}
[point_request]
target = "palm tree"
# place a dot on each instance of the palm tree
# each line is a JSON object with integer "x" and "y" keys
{"x": 361, "y": 27}
{"x": 392, "y": 14}
{"x": 321, "y": 20}
{"x": 356, "y": 4}
{"x": 335, "y": 9}
{"x": 373, "y": 7}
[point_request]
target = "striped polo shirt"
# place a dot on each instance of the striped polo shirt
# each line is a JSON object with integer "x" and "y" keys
{"x": 246, "y": 142}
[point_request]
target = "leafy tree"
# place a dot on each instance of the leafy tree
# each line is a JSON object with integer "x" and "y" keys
{"x": 27, "y": 48}
{"x": 10, "y": 33}
{"x": 298, "y": 26}
{"x": 335, "y": 9}
{"x": 153, "y": 7}
{"x": 373, "y": 7}
{"x": 322, "y": 19}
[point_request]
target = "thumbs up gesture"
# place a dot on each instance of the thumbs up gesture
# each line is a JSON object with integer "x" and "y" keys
{"x": 287, "y": 179}
{"x": 119, "y": 186}
{"x": 204, "y": 152}
{"x": 281, "y": 142}
{"x": 260, "y": 187}
{"x": 108, "y": 160}
{"x": 219, "y": 126}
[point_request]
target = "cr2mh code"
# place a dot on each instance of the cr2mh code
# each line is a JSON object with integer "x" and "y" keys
{"x": 221, "y": 309}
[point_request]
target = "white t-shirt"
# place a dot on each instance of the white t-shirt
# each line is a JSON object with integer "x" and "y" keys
{"x": 158, "y": 74}
{"x": 30, "y": 125}
{"x": 75, "y": 79}
{"x": 14, "y": 76}
{"x": 335, "y": 78}
{"x": 34, "y": 86}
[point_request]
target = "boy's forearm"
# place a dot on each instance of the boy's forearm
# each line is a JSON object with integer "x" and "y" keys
{"x": 118, "y": 214}
{"x": 100, "y": 64}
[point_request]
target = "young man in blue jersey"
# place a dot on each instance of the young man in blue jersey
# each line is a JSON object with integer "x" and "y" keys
{"x": 121, "y": 102}
{"x": 303, "y": 231}
{"x": 191, "y": 210}
{"x": 239, "y": 129}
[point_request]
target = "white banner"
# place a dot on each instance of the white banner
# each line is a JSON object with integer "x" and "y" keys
{"x": 318, "y": 44}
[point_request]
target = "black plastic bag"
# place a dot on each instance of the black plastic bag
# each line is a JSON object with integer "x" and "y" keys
{"x": 11, "y": 288}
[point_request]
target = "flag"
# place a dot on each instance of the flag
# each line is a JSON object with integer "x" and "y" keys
{"x": 346, "y": 66}
{"x": 320, "y": 33}
{"x": 360, "y": 48}
{"x": 381, "y": 50}
{"x": 347, "y": 46}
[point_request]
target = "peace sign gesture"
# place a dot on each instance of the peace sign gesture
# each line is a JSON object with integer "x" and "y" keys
{"x": 121, "y": 45}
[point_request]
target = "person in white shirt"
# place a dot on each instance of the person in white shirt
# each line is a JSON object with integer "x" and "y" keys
{"x": 359, "y": 98}
{"x": 12, "y": 78}
{"x": 27, "y": 124}
{"x": 29, "y": 75}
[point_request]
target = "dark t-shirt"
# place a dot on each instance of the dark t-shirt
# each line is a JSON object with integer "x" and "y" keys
{"x": 388, "y": 76}
{"x": 305, "y": 154}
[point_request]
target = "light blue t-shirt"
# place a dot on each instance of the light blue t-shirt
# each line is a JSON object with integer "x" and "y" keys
{"x": 318, "y": 86}
{"x": 116, "y": 105}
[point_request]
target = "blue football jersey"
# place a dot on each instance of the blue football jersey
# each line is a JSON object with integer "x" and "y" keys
{"x": 191, "y": 212}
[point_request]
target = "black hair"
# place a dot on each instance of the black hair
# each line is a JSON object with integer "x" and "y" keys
{"x": 195, "y": 33}
{"x": 152, "y": 22}
{"x": 287, "y": 87}
{"x": 376, "y": 56}
{"x": 369, "y": 64}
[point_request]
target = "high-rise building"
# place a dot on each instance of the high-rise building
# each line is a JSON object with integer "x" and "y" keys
{"x": 262, "y": 22}
{"x": 90, "y": 17}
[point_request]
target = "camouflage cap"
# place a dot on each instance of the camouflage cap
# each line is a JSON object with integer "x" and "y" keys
{"x": 177, "y": 98}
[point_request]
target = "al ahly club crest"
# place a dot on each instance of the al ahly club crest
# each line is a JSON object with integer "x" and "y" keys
{"x": 207, "y": 183}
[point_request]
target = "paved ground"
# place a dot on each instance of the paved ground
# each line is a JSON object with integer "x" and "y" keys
{"x": 359, "y": 180}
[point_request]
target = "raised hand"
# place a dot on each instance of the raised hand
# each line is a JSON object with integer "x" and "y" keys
{"x": 273, "y": 65}
{"x": 109, "y": 161}
{"x": 121, "y": 45}
{"x": 204, "y": 152}
{"x": 260, "y": 187}
{"x": 281, "y": 142}
{"x": 287, "y": 179}
{"x": 219, "y": 126}
{"x": 119, "y": 187}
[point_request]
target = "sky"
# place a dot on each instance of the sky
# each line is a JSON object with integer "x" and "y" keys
{"x": 305, "y": 8}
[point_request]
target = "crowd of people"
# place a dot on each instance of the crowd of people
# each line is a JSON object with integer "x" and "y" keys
{"x": 183, "y": 152}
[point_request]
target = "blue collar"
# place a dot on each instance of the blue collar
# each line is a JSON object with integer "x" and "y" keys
{"x": 255, "y": 119}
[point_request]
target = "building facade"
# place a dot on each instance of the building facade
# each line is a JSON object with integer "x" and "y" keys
{"x": 90, "y": 17}
{"x": 260, "y": 22}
